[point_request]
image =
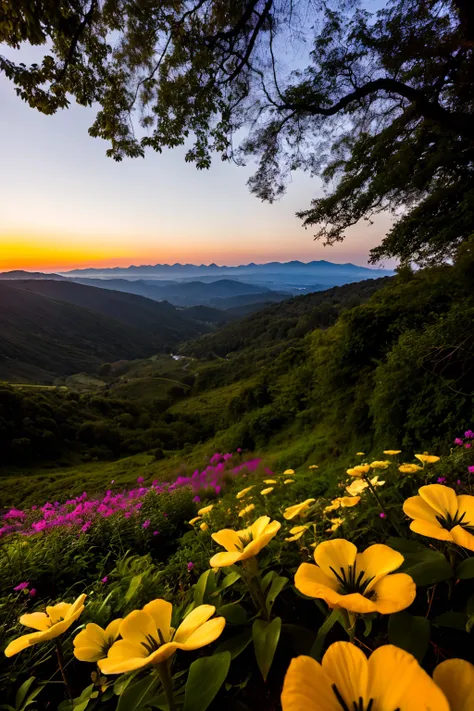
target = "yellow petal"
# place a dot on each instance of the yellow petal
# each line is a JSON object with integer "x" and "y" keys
{"x": 359, "y": 470}
{"x": 307, "y": 688}
{"x": 193, "y": 621}
{"x": 336, "y": 554}
{"x": 299, "y": 529}
{"x": 242, "y": 493}
{"x": 76, "y": 607}
{"x": 441, "y": 498}
{"x": 431, "y": 530}
{"x": 462, "y": 538}
{"x": 397, "y": 681}
{"x": 270, "y": 481}
{"x": 21, "y": 643}
{"x": 228, "y": 539}
{"x": 360, "y": 454}
{"x": 357, "y": 487}
{"x": 288, "y": 472}
{"x": 289, "y": 481}
{"x": 298, "y": 509}
{"x": 313, "y": 466}
{"x": 409, "y": 468}
{"x": 455, "y": 677}
{"x": 137, "y": 628}
{"x": 204, "y": 526}
{"x": 379, "y": 465}
{"x": 466, "y": 507}
{"x": 346, "y": 665}
{"x": 36, "y": 620}
{"x": 416, "y": 507}
{"x": 248, "y": 509}
{"x": 203, "y": 635}
{"x": 392, "y": 452}
{"x": 58, "y": 612}
{"x": 258, "y": 527}
{"x": 354, "y": 602}
{"x": 394, "y": 593}
{"x": 427, "y": 458}
{"x": 112, "y": 630}
{"x": 124, "y": 656}
{"x": 223, "y": 560}
{"x": 255, "y": 546}
{"x": 194, "y": 520}
{"x": 205, "y": 510}
{"x": 349, "y": 501}
{"x": 313, "y": 582}
{"x": 160, "y": 611}
{"x": 266, "y": 491}
{"x": 378, "y": 560}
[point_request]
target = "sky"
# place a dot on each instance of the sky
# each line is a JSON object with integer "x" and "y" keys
{"x": 65, "y": 205}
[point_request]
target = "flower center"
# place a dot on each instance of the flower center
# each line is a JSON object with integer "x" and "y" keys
{"x": 151, "y": 645}
{"x": 352, "y": 581}
{"x": 245, "y": 539}
{"x": 358, "y": 705}
{"x": 448, "y": 522}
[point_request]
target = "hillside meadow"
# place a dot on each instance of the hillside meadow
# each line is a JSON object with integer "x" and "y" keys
{"x": 260, "y": 523}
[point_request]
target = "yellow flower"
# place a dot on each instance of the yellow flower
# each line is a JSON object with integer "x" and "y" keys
{"x": 439, "y": 513}
{"x": 297, "y": 532}
{"x": 50, "y": 624}
{"x": 270, "y": 481}
{"x": 427, "y": 458}
{"x": 455, "y": 677}
{"x": 391, "y": 680}
{"x": 194, "y": 520}
{"x": 205, "y": 510}
{"x": 359, "y": 485}
{"x": 336, "y": 523}
{"x": 266, "y": 491}
{"x": 288, "y": 472}
{"x": 289, "y": 481}
{"x": 359, "y": 470}
{"x": 379, "y": 465}
{"x": 313, "y": 466}
{"x": 358, "y": 582}
{"x": 204, "y": 526}
{"x": 409, "y": 468}
{"x": 298, "y": 509}
{"x": 241, "y": 545}
{"x": 342, "y": 501}
{"x": 360, "y": 454}
{"x": 242, "y": 493}
{"x": 149, "y": 639}
{"x": 93, "y": 643}
{"x": 248, "y": 509}
{"x": 392, "y": 452}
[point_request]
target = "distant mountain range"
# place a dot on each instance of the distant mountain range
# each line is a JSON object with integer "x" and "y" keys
{"x": 320, "y": 272}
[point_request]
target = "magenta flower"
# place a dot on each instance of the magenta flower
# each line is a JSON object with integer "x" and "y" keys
{"x": 21, "y": 587}
{"x": 468, "y": 445}
{"x": 146, "y": 523}
{"x": 156, "y": 533}
{"x": 197, "y": 499}
{"x": 32, "y": 592}
{"x": 383, "y": 515}
{"x": 470, "y": 470}
{"x": 105, "y": 579}
{"x": 441, "y": 480}
{"x": 458, "y": 441}
{"x": 469, "y": 434}
{"x": 140, "y": 480}
{"x": 190, "y": 566}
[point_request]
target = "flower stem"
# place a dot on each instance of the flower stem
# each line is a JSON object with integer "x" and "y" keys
{"x": 376, "y": 496}
{"x": 254, "y": 584}
{"x": 167, "y": 681}
{"x": 60, "y": 656}
{"x": 352, "y": 625}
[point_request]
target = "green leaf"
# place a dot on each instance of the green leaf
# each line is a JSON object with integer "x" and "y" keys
{"x": 123, "y": 681}
{"x": 426, "y": 566}
{"x": 465, "y": 570}
{"x": 276, "y": 587}
{"x": 206, "y": 676}
{"x": 137, "y": 695}
{"x": 267, "y": 579}
{"x": 133, "y": 587}
{"x": 265, "y": 637}
{"x": 205, "y": 587}
{"x": 234, "y": 613}
{"x": 23, "y": 691}
{"x": 317, "y": 648}
{"x": 409, "y": 633}
{"x": 229, "y": 580}
{"x": 296, "y": 639}
{"x": 236, "y": 645}
{"x": 455, "y": 620}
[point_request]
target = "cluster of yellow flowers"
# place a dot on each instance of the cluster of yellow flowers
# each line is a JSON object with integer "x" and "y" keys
{"x": 356, "y": 582}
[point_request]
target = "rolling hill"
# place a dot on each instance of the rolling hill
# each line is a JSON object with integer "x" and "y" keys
{"x": 51, "y": 328}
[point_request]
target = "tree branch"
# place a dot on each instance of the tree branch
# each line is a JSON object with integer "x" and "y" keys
{"x": 77, "y": 36}
{"x": 253, "y": 39}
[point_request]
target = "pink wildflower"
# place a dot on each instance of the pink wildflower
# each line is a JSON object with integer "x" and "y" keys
{"x": 21, "y": 587}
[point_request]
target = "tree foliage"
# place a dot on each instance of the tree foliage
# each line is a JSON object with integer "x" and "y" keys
{"x": 380, "y": 104}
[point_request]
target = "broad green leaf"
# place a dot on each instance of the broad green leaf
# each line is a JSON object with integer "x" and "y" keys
{"x": 133, "y": 587}
{"x": 23, "y": 691}
{"x": 409, "y": 633}
{"x": 465, "y": 570}
{"x": 265, "y": 637}
{"x": 137, "y": 695}
{"x": 317, "y": 648}
{"x": 234, "y": 613}
{"x": 276, "y": 587}
{"x": 205, "y": 587}
{"x": 123, "y": 681}
{"x": 267, "y": 579}
{"x": 206, "y": 676}
{"x": 229, "y": 580}
{"x": 236, "y": 645}
{"x": 426, "y": 566}
{"x": 455, "y": 620}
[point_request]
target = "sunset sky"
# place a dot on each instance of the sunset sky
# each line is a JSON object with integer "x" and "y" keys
{"x": 65, "y": 205}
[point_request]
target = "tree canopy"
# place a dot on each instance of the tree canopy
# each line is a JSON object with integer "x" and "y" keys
{"x": 379, "y": 104}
